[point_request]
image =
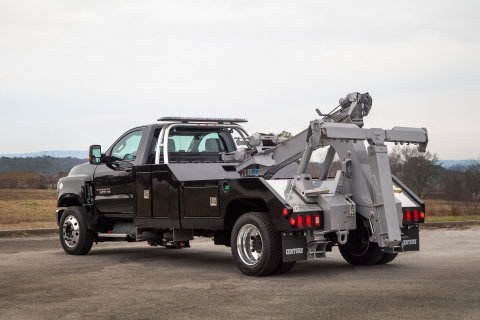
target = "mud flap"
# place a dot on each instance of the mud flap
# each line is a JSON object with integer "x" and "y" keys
{"x": 294, "y": 247}
{"x": 410, "y": 237}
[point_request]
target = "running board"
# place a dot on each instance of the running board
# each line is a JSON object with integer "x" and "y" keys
{"x": 113, "y": 235}
{"x": 122, "y": 230}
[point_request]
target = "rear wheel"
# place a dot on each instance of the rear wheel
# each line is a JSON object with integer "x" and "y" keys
{"x": 387, "y": 257}
{"x": 75, "y": 236}
{"x": 284, "y": 267}
{"x": 256, "y": 245}
{"x": 358, "y": 250}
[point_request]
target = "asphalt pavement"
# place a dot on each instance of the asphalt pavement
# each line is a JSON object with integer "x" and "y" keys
{"x": 135, "y": 281}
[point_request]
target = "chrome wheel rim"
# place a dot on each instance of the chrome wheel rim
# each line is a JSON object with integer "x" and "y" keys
{"x": 70, "y": 231}
{"x": 249, "y": 244}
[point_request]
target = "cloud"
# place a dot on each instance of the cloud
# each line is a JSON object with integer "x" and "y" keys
{"x": 271, "y": 61}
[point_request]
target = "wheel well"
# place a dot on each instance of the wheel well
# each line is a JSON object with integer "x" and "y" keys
{"x": 66, "y": 202}
{"x": 69, "y": 202}
{"x": 238, "y": 207}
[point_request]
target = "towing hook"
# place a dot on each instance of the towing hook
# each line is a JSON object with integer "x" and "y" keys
{"x": 341, "y": 235}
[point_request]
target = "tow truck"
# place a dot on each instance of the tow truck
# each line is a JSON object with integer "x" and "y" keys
{"x": 185, "y": 177}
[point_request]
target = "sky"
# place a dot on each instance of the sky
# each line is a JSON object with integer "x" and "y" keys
{"x": 76, "y": 73}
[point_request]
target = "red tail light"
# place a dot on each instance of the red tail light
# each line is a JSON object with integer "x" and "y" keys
{"x": 316, "y": 221}
{"x": 408, "y": 215}
{"x": 308, "y": 220}
{"x": 285, "y": 212}
{"x": 299, "y": 221}
{"x": 422, "y": 215}
{"x": 415, "y": 215}
{"x": 292, "y": 221}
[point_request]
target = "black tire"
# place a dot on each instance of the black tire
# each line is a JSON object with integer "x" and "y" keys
{"x": 75, "y": 236}
{"x": 387, "y": 257}
{"x": 256, "y": 245}
{"x": 358, "y": 250}
{"x": 284, "y": 267}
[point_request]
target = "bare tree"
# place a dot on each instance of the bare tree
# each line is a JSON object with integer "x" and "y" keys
{"x": 417, "y": 170}
{"x": 285, "y": 134}
{"x": 472, "y": 180}
{"x": 314, "y": 168}
{"x": 452, "y": 183}
{"x": 62, "y": 174}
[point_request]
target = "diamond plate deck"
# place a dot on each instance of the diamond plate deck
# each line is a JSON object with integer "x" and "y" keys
{"x": 284, "y": 189}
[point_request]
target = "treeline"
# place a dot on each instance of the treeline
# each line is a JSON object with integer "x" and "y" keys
{"x": 34, "y": 172}
{"x": 29, "y": 180}
{"x": 423, "y": 174}
{"x": 45, "y": 166}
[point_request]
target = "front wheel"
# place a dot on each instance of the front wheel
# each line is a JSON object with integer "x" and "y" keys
{"x": 75, "y": 236}
{"x": 256, "y": 245}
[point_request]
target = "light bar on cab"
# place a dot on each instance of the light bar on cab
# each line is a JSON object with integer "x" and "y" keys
{"x": 195, "y": 119}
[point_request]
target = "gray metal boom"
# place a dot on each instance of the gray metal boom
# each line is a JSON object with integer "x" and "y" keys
{"x": 275, "y": 158}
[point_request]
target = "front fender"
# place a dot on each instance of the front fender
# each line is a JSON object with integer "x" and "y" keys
{"x": 71, "y": 190}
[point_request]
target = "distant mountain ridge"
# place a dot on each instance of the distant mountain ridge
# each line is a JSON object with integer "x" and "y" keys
{"x": 450, "y": 163}
{"x": 54, "y": 153}
{"x": 84, "y": 155}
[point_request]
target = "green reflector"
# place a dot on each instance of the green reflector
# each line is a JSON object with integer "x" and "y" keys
{"x": 226, "y": 186}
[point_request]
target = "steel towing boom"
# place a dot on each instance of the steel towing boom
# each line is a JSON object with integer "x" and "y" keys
{"x": 364, "y": 182}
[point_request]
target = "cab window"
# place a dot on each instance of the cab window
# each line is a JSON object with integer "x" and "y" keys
{"x": 127, "y": 147}
{"x": 211, "y": 143}
{"x": 199, "y": 141}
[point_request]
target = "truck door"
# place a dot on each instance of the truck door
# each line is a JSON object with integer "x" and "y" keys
{"x": 113, "y": 180}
